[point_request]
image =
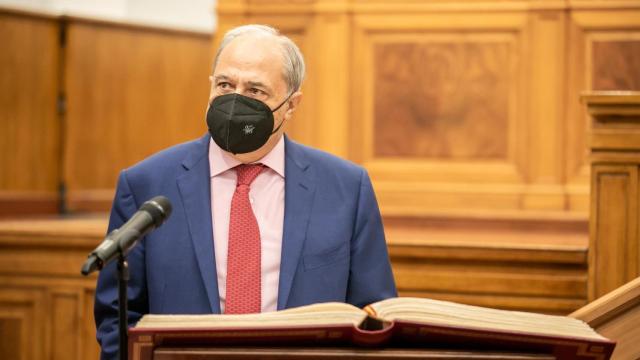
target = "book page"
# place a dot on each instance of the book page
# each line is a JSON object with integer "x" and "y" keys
{"x": 312, "y": 315}
{"x": 438, "y": 312}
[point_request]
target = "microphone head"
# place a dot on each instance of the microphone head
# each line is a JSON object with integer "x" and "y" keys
{"x": 159, "y": 208}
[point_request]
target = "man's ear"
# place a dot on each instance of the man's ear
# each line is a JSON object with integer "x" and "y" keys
{"x": 293, "y": 102}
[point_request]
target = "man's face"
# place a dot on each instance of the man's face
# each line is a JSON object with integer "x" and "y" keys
{"x": 253, "y": 66}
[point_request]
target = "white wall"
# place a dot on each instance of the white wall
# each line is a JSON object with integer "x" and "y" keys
{"x": 195, "y": 15}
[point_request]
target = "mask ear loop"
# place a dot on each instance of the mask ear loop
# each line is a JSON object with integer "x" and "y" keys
{"x": 276, "y": 109}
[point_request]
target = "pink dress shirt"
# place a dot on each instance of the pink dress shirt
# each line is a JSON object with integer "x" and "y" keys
{"x": 267, "y": 200}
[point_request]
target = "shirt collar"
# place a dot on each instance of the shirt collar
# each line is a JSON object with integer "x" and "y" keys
{"x": 221, "y": 161}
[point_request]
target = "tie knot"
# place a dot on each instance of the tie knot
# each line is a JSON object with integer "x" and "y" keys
{"x": 248, "y": 173}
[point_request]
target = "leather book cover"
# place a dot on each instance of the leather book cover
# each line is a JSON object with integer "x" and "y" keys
{"x": 142, "y": 341}
{"x": 563, "y": 347}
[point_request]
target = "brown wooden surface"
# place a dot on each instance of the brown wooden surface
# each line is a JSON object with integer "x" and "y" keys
{"x": 29, "y": 123}
{"x": 616, "y": 315}
{"x": 335, "y": 353}
{"x": 505, "y": 135}
{"x": 15, "y": 204}
{"x": 527, "y": 265}
{"x": 614, "y": 245}
{"x": 443, "y": 97}
{"x": 616, "y": 64}
{"x": 46, "y": 306}
{"x": 131, "y": 92}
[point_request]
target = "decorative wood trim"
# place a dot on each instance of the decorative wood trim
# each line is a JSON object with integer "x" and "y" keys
{"x": 20, "y": 203}
{"x": 99, "y": 200}
{"x": 614, "y": 248}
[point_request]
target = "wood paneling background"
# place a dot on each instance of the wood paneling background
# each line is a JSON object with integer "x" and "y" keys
{"x": 82, "y": 99}
{"x": 454, "y": 107}
{"x": 442, "y": 97}
{"x": 614, "y": 247}
{"x": 46, "y": 306}
{"x": 130, "y": 92}
{"x": 478, "y": 262}
{"x": 29, "y": 123}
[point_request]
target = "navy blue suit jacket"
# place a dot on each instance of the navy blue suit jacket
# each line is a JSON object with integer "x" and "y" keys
{"x": 333, "y": 245}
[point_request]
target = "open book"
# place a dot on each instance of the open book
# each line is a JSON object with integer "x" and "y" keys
{"x": 409, "y": 322}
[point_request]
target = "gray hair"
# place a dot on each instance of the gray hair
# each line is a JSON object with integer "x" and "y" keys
{"x": 292, "y": 57}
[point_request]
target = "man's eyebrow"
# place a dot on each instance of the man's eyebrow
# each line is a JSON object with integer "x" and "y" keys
{"x": 258, "y": 84}
{"x": 221, "y": 77}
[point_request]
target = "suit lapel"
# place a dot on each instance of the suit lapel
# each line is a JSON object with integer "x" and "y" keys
{"x": 195, "y": 190}
{"x": 299, "y": 194}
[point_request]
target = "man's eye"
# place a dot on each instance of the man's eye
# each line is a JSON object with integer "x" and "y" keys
{"x": 224, "y": 85}
{"x": 255, "y": 91}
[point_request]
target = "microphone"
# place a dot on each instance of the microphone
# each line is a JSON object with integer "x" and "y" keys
{"x": 150, "y": 216}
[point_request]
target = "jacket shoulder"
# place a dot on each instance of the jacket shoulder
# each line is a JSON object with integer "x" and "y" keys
{"x": 170, "y": 158}
{"x": 327, "y": 163}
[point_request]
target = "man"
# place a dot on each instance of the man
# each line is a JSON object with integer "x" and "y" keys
{"x": 259, "y": 222}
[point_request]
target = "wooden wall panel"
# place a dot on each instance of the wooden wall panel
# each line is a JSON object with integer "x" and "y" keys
{"x": 29, "y": 124}
{"x": 613, "y": 187}
{"x": 90, "y": 347}
{"x": 23, "y": 310}
{"x": 616, "y": 64}
{"x": 603, "y": 54}
{"x": 483, "y": 156}
{"x": 442, "y": 97}
{"x": 10, "y": 341}
{"x": 131, "y": 92}
{"x": 66, "y": 332}
{"x": 477, "y": 262}
{"x": 42, "y": 294}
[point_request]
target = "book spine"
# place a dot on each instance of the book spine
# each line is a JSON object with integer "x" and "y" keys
{"x": 368, "y": 338}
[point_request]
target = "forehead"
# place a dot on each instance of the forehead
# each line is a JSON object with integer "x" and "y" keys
{"x": 252, "y": 58}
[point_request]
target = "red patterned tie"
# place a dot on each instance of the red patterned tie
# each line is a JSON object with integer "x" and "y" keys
{"x": 243, "y": 258}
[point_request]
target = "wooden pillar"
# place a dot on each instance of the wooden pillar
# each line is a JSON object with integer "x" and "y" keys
{"x": 614, "y": 248}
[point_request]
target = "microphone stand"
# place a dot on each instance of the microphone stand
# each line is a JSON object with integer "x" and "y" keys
{"x": 123, "y": 278}
{"x": 118, "y": 242}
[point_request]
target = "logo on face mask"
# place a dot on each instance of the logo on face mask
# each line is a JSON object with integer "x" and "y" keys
{"x": 232, "y": 117}
{"x": 248, "y": 129}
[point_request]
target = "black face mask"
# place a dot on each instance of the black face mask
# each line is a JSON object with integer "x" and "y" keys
{"x": 240, "y": 124}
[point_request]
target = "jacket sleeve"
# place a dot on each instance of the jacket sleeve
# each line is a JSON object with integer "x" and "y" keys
{"x": 106, "y": 299}
{"x": 370, "y": 277}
